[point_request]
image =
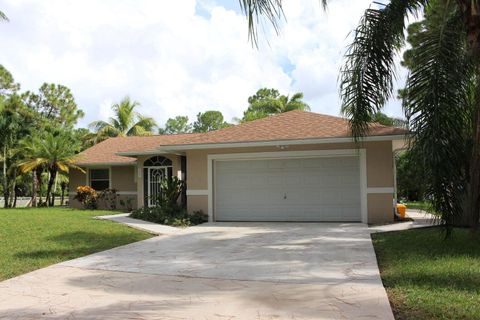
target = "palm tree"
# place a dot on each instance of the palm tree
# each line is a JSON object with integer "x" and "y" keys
{"x": 126, "y": 122}
{"x": 443, "y": 89}
{"x": 53, "y": 152}
{"x": 267, "y": 102}
{"x": 295, "y": 102}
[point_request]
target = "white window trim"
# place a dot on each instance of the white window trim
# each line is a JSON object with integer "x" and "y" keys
{"x": 360, "y": 153}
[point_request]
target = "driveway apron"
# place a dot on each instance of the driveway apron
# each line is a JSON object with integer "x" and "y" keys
{"x": 213, "y": 271}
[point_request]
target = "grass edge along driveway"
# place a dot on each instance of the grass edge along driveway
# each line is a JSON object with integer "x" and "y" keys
{"x": 33, "y": 238}
{"x": 428, "y": 277}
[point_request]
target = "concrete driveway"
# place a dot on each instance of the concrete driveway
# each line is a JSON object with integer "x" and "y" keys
{"x": 213, "y": 271}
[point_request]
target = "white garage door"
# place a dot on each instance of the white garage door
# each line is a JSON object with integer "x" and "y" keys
{"x": 310, "y": 189}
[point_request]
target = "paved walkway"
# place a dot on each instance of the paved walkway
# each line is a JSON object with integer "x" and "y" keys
{"x": 150, "y": 227}
{"x": 213, "y": 271}
{"x": 421, "y": 219}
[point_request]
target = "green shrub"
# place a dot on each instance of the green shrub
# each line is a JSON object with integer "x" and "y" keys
{"x": 171, "y": 190}
{"x": 127, "y": 204}
{"x": 87, "y": 196}
{"x": 109, "y": 198}
{"x": 169, "y": 214}
{"x": 198, "y": 217}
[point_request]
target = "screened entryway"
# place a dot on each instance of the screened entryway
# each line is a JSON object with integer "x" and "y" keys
{"x": 155, "y": 170}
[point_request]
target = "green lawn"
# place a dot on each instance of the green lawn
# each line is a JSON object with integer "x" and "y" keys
{"x": 35, "y": 238}
{"x": 421, "y": 205}
{"x": 427, "y": 277}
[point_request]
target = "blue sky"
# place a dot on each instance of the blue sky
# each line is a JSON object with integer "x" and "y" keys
{"x": 177, "y": 57}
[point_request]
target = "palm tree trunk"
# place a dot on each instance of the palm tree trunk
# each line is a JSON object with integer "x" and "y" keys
{"x": 474, "y": 192}
{"x": 14, "y": 204}
{"x": 471, "y": 13}
{"x": 39, "y": 184}
{"x": 14, "y": 184}
{"x": 34, "y": 188}
{"x": 51, "y": 181}
{"x": 62, "y": 198}
{"x": 5, "y": 181}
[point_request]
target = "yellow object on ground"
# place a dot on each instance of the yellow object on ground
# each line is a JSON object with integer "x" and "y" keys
{"x": 401, "y": 210}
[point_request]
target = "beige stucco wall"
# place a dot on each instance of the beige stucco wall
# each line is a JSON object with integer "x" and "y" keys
{"x": 379, "y": 158}
{"x": 123, "y": 178}
{"x": 195, "y": 203}
{"x": 76, "y": 178}
{"x": 379, "y": 164}
{"x": 379, "y": 208}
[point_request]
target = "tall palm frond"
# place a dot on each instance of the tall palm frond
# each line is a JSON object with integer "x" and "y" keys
{"x": 3, "y": 16}
{"x": 296, "y": 103}
{"x": 366, "y": 79}
{"x": 104, "y": 129}
{"x": 144, "y": 126}
{"x": 272, "y": 10}
{"x": 440, "y": 113}
{"x": 125, "y": 122}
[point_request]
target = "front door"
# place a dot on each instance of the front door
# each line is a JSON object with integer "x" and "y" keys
{"x": 155, "y": 177}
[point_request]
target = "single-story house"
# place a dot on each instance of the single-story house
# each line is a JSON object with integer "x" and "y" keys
{"x": 296, "y": 166}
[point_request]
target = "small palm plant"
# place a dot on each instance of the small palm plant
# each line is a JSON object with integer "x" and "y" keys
{"x": 172, "y": 188}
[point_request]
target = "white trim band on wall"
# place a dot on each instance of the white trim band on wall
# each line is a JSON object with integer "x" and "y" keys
{"x": 381, "y": 190}
{"x": 197, "y": 192}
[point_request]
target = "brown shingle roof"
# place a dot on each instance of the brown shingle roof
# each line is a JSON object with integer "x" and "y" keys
{"x": 291, "y": 125}
{"x": 106, "y": 151}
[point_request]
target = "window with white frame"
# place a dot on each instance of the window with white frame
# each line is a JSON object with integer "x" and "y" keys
{"x": 100, "y": 179}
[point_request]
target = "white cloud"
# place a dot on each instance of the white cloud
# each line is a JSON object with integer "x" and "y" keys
{"x": 173, "y": 59}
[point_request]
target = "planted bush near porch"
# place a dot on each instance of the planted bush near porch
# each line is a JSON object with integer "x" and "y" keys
{"x": 172, "y": 215}
{"x": 167, "y": 209}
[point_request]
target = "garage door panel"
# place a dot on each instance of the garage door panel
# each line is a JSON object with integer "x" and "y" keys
{"x": 349, "y": 180}
{"x": 313, "y": 189}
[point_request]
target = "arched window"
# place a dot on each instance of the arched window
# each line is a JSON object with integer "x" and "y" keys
{"x": 157, "y": 161}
